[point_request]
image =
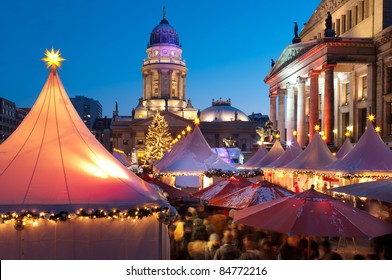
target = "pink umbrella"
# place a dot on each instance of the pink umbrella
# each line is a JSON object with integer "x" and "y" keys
{"x": 313, "y": 213}
{"x": 223, "y": 187}
{"x": 261, "y": 192}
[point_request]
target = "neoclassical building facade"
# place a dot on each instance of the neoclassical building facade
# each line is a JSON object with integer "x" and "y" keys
{"x": 164, "y": 89}
{"x": 337, "y": 71}
{"x": 164, "y": 75}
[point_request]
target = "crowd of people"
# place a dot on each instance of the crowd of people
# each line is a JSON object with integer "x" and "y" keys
{"x": 210, "y": 234}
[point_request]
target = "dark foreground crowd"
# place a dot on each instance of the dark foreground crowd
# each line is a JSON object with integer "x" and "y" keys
{"x": 212, "y": 235}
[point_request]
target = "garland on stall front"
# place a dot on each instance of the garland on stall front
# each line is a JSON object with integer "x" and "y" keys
{"x": 31, "y": 217}
{"x": 226, "y": 174}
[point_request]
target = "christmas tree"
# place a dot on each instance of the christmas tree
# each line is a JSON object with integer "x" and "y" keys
{"x": 158, "y": 140}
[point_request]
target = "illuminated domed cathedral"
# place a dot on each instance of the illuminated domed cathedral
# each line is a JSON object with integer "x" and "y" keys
{"x": 164, "y": 75}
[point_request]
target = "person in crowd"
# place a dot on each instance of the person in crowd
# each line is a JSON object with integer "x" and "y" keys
{"x": 188, "y": 227}
{"x": 326, "y": 253}
{"x": 212, "y": 246}
{"x": 228, "y": 251}
{"x": 266, "y": 251}
{"x": 290, "y": 249}
{"x": 313, "y": 251}
{"x": 250, "y": 248}
{"x": 180, "y": 244}
{"x": 199, "y": 231}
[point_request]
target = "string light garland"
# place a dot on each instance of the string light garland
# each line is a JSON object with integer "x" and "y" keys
{"x": 226, "y": 174}
{"x": 32, "y": 217}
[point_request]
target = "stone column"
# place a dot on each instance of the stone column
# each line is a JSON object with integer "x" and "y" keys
{"x": 301, "y": 118}
{"x": 314, "y": 102}
{"x": 184, "y": 87}
{"x": 328, "y": 104}
{"x": 181, "y": 86}
{"x": 145, "y": 85}
{"x": 290, "y": 123}
{"x": 281, "y": 115}
{"x": 273, "y": 109}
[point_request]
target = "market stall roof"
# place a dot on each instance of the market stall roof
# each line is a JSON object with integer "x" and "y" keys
{"x": 258, "y": 193}
{"x": 121, "y": 157}
{"x": 52, "y": 162}
{"x": 194, "y": 157}
{"x": 223, "y": 187}
{"x": 315, "y": 156}
{"x": 292, "y": 151}
{"x": 261, "y": 152}
{"x": 345, "y": 148}
{"x": 369, "y": 154}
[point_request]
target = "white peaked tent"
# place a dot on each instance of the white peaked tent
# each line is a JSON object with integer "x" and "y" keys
{"x": 370, "y": 154}
{"x": 292, "y": 151}
{"x": 170, "y": 155}
{"x": 316, "y": 155}
{"x": 53, "y": 164}
{"x": 275, "y": 152}
{"x": 345, "y": 148}
{"x": 121, "y": 157}
{"x": 261, "y": 152}
{"x": 193, "y": 157}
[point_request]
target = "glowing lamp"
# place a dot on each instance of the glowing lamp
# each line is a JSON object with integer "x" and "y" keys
{"x": 196, "y": 121}
{"x": 277, "y": 136}
{"x": 294, "y": 133}
{"x": 316, "y": 127}
{"x": 288, "y": 143}
{"x": 371, "y": 117}
{"x": 335, "y": 131}
{"x": 53, "y": 58}
{"x": 188, "y": 128}
{"x": 324, "y": 137}
{"x": 179, "y": 136}
{"x": 347, "y": 134}
{"x": 378, "y": 129}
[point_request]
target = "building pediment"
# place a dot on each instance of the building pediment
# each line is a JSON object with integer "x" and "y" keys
{"x": 320, "y": 14}
{"x": 290, "y": 53}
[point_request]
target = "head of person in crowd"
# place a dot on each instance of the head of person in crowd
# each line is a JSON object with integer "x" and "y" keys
{"x": 214, "y": 240}
{"x": 249, "y": 242}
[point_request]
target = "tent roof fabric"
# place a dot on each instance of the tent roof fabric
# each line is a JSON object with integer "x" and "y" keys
{"x": 121, "y": 157}
{"x": 292, "y": 151}
{"x": 261, "y": 152}
{"x": 254, "y": 194}
{"x": 369, "y": 154}
{"x": 275, "y": 152}
{"x": 223, "y": 187}
{"x": 345, "y": 148}
{"x": 315, "y": 156}
{"x": 52, "y": 162}
{"x": 193, "y": 157}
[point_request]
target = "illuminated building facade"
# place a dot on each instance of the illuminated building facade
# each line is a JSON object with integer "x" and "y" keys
{"x": 336, "y": 72}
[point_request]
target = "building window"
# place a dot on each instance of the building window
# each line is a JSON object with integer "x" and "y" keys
{"x": 361, "y": 10}
{"x": 364, "y": 87}
{"x": 126, "y": 142}
{"x": 389, "y": 118}
{"x": 344, "y": 24}
{"x": 389, "y": 83}
{"x": 139, "y": 142}
{"x": 362, "y": 118}
{"x": 346, "y": 94}
{"x": 355, "y": 15}
{"x": 337, "y": 27}
{"x": 345, "y": 120}
{"x": 349, "y": 19}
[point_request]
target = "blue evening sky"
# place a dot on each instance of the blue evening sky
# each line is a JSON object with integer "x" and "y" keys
{"x": 227, "y": 46}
